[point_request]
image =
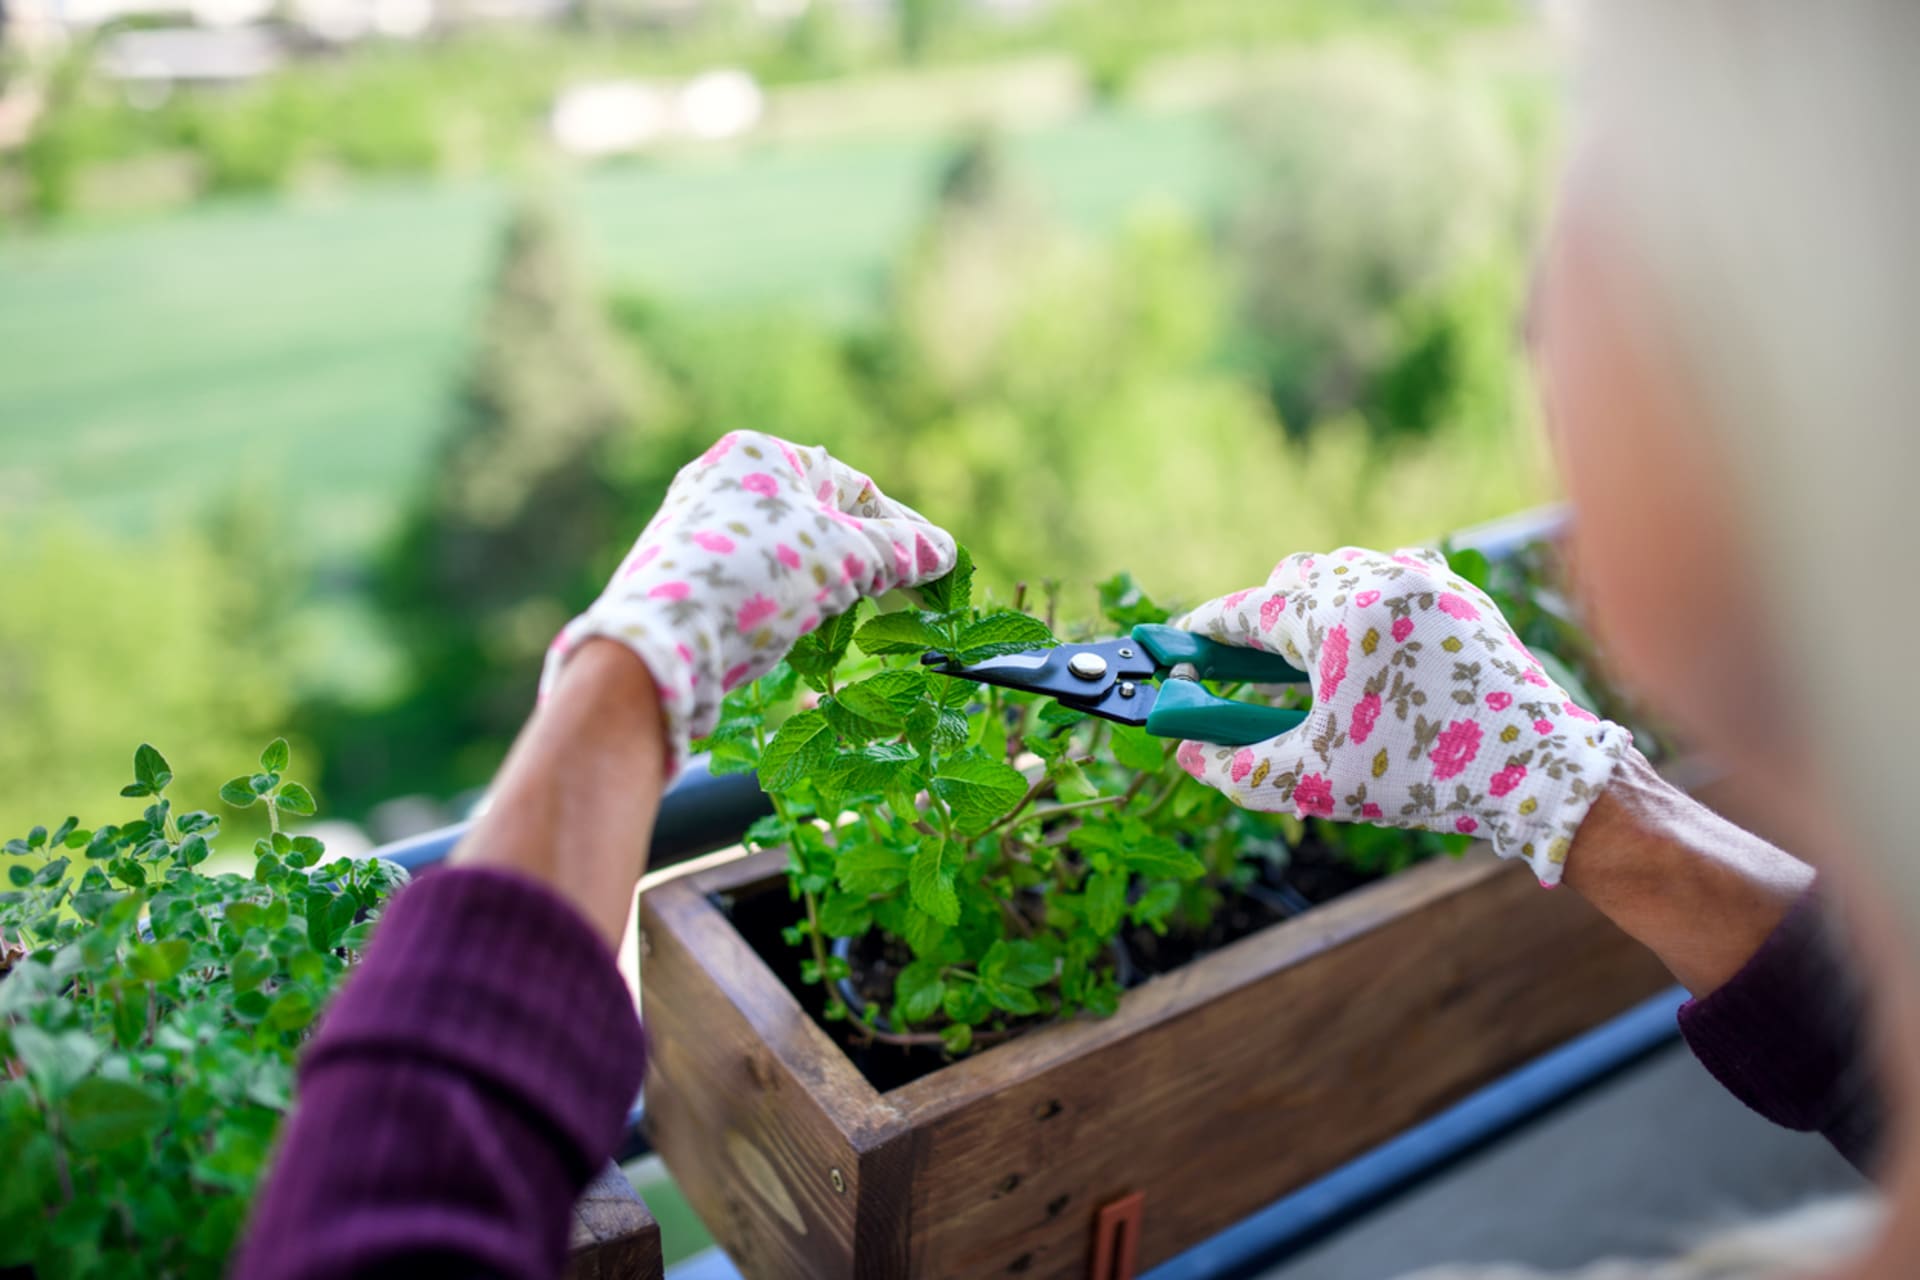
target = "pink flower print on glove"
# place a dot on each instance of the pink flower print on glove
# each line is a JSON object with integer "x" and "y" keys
{"x": 756, "y": 541}
{"x": 1423, "y": 726}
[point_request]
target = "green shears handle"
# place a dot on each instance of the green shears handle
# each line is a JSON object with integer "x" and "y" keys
{"x": 1184, "y": 709}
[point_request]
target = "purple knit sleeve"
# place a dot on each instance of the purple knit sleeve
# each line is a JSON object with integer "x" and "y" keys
{"x": 1786, "y": 1036}
{"x": 471, "y": 1078}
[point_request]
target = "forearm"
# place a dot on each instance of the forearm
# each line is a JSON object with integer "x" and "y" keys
{"x": 1701, "y": 893}
{"x": 475, "y": 1071}
{"x": 575, "y": 803}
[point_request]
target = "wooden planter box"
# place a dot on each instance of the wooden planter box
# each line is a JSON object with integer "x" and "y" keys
{"x": 1214, "y": 1090}
{"x": 613, "y": 1236}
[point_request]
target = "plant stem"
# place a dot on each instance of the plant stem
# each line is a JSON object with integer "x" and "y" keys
{"x": 1055, "y": 810}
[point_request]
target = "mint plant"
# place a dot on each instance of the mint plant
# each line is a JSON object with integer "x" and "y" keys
{"x": 968, "y": 855}
{"x": 150, "y": 1014}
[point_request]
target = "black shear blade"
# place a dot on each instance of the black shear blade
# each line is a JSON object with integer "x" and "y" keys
{"x": 1080, "y": 675}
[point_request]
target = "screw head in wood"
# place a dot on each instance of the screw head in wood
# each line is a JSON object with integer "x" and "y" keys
{"x": 838, "y": 1180}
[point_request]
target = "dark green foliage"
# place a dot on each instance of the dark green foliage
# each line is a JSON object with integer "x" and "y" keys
{"x": 149, "y": 1027}
{"x": 1000, "y": 843}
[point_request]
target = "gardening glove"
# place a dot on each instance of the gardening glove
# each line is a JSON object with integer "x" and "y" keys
{"x": 756, "y": 542}
{"x": 1428, "y": 712}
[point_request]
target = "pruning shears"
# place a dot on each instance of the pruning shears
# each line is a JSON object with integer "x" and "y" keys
{"x": 1110, "y": 679}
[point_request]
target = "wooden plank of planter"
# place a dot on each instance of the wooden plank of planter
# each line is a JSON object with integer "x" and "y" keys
{"x": 614, "y": 1236}
{"x": 1214, "y": 1090}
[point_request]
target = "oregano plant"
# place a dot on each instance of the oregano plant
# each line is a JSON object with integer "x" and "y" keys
{"x": 150, "y": 1013}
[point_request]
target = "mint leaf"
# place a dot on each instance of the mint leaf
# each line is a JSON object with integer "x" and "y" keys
{"x": 886, "y": 699}
{"x": 1137, "y": 749}
{"x": 931, "y": 882}
{"x": 804, "y": 744}
{"x": 818, "y": 652}
{"x": 870, "y": 769}
{"x": 953, "y": 590}
{"x": 1002, "y": 633}
{"x": 237, "y": 792}
{"x": 845, "y": 915}
{"x": 274, "y": 758}
{"x": 979, "y": 791}
{"x": 907, "y": 631}
{"x": 1106, "y": 894}
{"x": 1015, "y": 1000}
{"x": 918, "y": 990}
{"x": 1161, "y": 859}
{"x": 1156, "y": 904}
{"x": 1125, "y": 605}
{"x": 872, "y": 868}
{"x": 1017, "y": 963}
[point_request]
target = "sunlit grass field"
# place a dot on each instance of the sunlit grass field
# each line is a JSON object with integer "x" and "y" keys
{"x": 308, "y": 347}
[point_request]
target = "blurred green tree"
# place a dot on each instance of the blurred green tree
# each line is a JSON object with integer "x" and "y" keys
{"x": 519, "y": 517}
{"x": 1375, "y": 191}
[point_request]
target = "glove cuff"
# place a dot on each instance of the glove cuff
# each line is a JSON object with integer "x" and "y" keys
{"x": 687, "y": 711}
{"x": 1543, "y": 837}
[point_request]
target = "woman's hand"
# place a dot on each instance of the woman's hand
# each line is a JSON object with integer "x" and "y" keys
{"x": 757, "y": 541}
{"x": 1428, "y": 711}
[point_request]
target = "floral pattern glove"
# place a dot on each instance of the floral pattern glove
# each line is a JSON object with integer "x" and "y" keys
{"x": 1428, "y": 712}
{"x": 757, "y": 541}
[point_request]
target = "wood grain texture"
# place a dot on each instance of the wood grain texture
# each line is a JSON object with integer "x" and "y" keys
{"x": 614, "y": 1236}
{"x": 761, "y": 1118}
{"x": 1213, "y": 1090}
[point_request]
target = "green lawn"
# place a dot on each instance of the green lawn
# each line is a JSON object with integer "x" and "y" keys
{"x": 310, "y": 345}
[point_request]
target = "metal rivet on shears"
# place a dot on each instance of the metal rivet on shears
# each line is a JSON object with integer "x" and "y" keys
{"x": 1126, "y": 653}
{"x": 1126, "y": 688}
{"x": 1087, "y": 666}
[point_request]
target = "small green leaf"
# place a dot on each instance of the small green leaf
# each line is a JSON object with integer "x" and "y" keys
{"x": 102, "y": 1113}
{"x": 135, "y": 789}
{"x": 1015, "y": 1000}
{"x": 237, "y": 792}
{"x": 20, "y": 875}
{"x": 978, "y": 790}
{"x": 291, "y": 1010}
{"x": 953, "y": 590}
{"x": 193, "y": 850}
{"x": 872, "y": 868}
{"x": 907, "y": 631}
{"x": 249, "y": 969}
{"x": 1106, "y": 894}
{"x": 819, "y": 652}
{"x": 1471, "y": 565}
{"x": 1125, "y": 605}
{"x": 1156, "y": 903}
{"x": 887, "y": 698}
{"x": 918, "y": 990}
{"x": 296, "y": 799}
{"x": 150, "y": 768}
{"x": 804, "y": 743}
{"x": 51, "y": 872}
{"x": 1159, "y": 858}
{"x": 845, "y": 915}
{"x": 274, "y": 758}
{"x": 931, "y": 882}
{"x": 1002, "y": 633}
{"x": 37, "y": 838}
{"x": 1137, "y": 749}
{"x": 1017, "y": 963}
{"x": 158, "y": 961}
{"x": 261, "y": 783}
{"x": 56, "y": 1061}
{"x": 957, "y": 1039}
{"x": 870, "y": 769}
